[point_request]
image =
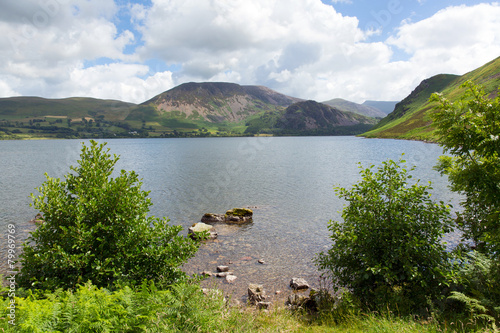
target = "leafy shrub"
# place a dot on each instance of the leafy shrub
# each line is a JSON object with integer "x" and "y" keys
{"x": 97, "y": 229}
{"x": 388, "y": 248}
{"x": 469, "y": 130}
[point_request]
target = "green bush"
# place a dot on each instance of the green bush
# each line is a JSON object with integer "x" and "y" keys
{"x": 388, "y": 248}
{"x": 469, "y": 130}
{"x": 96, "y": 228}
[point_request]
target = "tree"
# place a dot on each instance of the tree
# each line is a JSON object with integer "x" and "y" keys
{"x": 388, "y": 248}
{"x": 469, "y": 130}
{"x": 97, "y": 228}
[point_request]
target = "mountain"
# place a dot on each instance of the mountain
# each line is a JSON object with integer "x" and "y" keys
{"x": 310, "y": 117}
{"x": 410, "y": 118}
{"x": 385, "y": 106}
{"x": 218, "y": 101}
{"x": 365, "y": 110}
{"x": 191, "y": 109}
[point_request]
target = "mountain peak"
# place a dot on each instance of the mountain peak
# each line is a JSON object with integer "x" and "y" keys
{"x": 219, "y": 101}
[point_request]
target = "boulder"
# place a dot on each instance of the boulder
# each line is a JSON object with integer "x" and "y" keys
{"x": 222, "y": 268}
{"x": 299, "y": 283}
{"x": 256, "y": 293}
{"x": 201, "y": 227}
{"x": 300, "y": 300}
{"x": 230, "y": 278}
{"x": 223, "y": 274}
{"x": 213, "y": 218}
{"x": 239, "y": 215}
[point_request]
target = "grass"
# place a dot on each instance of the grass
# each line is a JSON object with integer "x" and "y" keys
{"x": 185, "y": 308}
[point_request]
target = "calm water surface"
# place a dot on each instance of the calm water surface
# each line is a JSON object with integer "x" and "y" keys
{"x": 288, "y": 182}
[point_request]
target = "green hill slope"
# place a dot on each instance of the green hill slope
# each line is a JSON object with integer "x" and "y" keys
{"x": 75, "y": 107}
{"x": 410, "y": 118}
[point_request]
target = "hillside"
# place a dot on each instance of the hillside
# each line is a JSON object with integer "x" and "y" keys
{"x": 74, "y": 108}
{"x": 313, "y": 118}
{"x": 410, "y": 119}
{"x": 347, "y": 106}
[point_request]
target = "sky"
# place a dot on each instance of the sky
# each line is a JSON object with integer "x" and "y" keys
{"x": 312, "y": 49}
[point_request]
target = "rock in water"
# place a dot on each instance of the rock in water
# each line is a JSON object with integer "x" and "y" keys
{"x": 222, "y": 268}
{"x": 213, "y": 218}
{"x": 200, "y": 228}
{"x": 230, "y": 278}
{"x": 239, "y": 215}
{"x": 299, "y": 283}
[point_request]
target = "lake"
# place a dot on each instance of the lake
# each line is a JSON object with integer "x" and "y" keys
{"x": 287, "y": 181}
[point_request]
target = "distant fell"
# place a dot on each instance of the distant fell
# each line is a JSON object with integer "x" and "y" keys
{"x": 410, "y": 118}
{"x": 310, "y": 117}
{"x": 365, "y": 110}
{"x": 385, "y": 106}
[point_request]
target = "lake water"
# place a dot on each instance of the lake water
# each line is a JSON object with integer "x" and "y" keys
{"x": 288, "y": 182}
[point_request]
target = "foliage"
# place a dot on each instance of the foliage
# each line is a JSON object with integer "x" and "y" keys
{"x": 469, "y": 130}
{"x": 478, "y": 287}
{"x": 184, "y": 308}
{"x": 388, "y": 248}
{"x": 97, "y": 229}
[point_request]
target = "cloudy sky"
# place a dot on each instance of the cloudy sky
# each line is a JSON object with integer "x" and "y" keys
{"x": 312, "y": 49}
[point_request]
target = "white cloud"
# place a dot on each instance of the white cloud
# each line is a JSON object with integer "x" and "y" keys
{"x": 456, "y": 39}
{"x": 260, "y": 42}
{"x": 42, "y": 42}
{"x": 121, "y": 81}
{"x": 304, "y": 48}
